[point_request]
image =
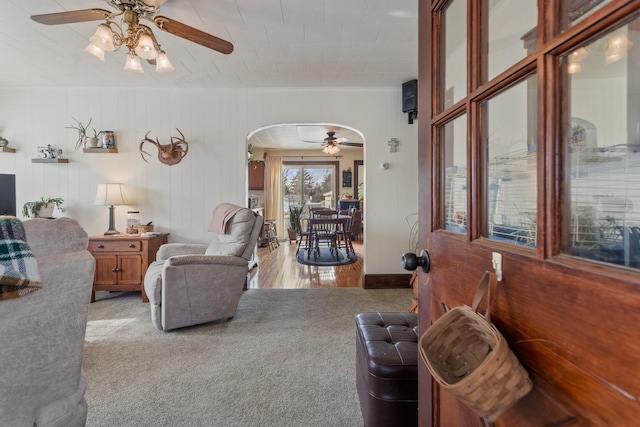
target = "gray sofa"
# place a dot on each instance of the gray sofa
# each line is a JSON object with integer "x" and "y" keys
{"x": 42, "y": 333}
{"x": 189, "y": 284}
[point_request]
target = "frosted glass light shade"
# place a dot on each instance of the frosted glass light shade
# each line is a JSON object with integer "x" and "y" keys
{"x": 162, "y": 63}
{"x": 133, "y": 64}
{"x": 145, "y": 48}
{"x": 103, "y": 38}
{"x": 95, "y": 51}
{"x": 331, "y": 149}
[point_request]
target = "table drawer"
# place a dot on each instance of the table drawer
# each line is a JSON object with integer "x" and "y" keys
{"x": 110, "y": 246}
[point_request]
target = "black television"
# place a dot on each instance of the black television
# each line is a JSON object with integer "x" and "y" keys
{"x": 7, "y": 194}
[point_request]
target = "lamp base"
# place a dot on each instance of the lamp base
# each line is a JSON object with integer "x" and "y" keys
{"x": 112, "y": 228}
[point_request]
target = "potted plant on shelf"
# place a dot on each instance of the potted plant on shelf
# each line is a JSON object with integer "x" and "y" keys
{"x": 41, "y": 208}
{"x": 83, "y": 137}
{"x": 295, "y": 212}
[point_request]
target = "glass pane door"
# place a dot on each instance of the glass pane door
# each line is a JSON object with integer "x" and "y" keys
{"x": 310, "y": 186}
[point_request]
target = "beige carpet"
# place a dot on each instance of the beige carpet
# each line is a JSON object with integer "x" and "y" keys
{"x": 286, "y": 359}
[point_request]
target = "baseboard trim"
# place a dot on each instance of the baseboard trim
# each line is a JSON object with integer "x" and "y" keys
{"x": 386, "y": 281}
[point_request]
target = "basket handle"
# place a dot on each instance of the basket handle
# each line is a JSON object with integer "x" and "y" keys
{"x": 488, "y": 282}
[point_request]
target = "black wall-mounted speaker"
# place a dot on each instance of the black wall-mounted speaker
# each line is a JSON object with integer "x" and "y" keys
{"x": 410, "y": 96}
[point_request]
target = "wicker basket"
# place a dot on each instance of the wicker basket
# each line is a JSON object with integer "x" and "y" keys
{"x": 145, "y": 228}
{"x": 470, "y": 358}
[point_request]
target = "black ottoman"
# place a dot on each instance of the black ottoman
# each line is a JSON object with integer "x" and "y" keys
{"x": 387, "y": 368}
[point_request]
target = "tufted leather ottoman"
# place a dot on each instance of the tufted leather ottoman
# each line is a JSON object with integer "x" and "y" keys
{"x": 387, "y": 368}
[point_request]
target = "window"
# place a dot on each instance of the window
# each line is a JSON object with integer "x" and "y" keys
{"x": 602, "y": 148}
{"x": 310, "y": 184}
{"x": 454, "y": 135}
{"x": 512, "y": 193}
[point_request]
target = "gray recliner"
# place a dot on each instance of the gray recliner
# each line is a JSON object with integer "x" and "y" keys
{"x": 190, "y": 284}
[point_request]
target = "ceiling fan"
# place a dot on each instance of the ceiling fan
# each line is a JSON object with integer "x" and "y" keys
{"x": 138, "y": 38}
{"x": 332, "y": 140}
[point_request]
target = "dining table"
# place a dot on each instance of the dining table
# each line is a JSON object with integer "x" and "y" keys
{"x": 329, "y": 227}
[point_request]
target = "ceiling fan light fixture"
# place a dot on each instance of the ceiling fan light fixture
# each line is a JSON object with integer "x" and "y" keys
{"x": 162, "y": 63}
{"x": 137, "y": 38}
{"x": 145, "y": 47}
{"x": 94, "y": 50}
{"x": 133, "y": 64}
{"x": 103, "y": 38}
{"x": 331, "y": 149}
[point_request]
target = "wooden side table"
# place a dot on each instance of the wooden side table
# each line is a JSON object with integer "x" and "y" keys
{"x": 122, "y": 261}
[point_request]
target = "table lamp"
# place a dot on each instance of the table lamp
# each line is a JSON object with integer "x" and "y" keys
{"x": 110, "y": 195}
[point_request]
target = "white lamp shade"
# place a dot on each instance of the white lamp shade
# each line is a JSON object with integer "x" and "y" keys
{"x": 133, "y": 64}
{"x": 103, "y": 38}
{"x": 145, "y": 48}
{"x": 162, "y": 63}
{"x": 110, "y": 194}
{"x": 95, "y": 51}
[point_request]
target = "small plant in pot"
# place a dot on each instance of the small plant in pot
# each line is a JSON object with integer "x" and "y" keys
{"x": 84, "y": 139}
{"x": 41, "y": 208}
{"x": 295, "y": 212}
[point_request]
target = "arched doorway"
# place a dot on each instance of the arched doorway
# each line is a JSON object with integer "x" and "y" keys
{"x": 302, "y": 147}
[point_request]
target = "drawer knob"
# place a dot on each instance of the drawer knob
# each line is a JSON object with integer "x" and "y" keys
{"x": 100, "y": 246}
{"x": 115, "y": 270}
{"x": 131, "y": 245}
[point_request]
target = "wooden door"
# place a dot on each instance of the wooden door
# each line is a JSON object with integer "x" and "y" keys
{"x": 528, "y": 130}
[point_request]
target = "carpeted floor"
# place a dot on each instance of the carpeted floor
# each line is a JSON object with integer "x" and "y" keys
{"x": 286, "y": 359}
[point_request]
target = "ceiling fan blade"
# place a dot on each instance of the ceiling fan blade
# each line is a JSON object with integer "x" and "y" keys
{"x": 193, "y": 34}
{"x": 351, "y": 144}
{"x": 71, "y": 17}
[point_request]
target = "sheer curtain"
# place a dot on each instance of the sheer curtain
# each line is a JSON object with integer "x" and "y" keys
{"x": 274, "y": 194}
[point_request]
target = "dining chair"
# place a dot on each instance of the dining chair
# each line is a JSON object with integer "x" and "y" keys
{"x": 324, "y": 230}
{"x": 344, "y": 232}
{"x": 306, "y": 236}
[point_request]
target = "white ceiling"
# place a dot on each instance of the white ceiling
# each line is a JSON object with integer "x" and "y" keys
{"x": 277, "y": 43}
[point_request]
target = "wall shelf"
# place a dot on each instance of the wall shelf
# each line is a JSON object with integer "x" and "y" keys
{"x": 8, "y": 150}
{"x": 49, "y": 160}
{"x": 100, "y": 150}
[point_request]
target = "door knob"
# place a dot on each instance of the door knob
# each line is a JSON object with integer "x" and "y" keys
{"x": 411, "y": 261}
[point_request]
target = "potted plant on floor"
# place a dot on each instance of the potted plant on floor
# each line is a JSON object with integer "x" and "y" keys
{"x": 41, "y": 208}
{"x": 295, "y": 212}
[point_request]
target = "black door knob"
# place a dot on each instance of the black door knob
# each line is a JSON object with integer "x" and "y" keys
{"x": 411, "y": 261}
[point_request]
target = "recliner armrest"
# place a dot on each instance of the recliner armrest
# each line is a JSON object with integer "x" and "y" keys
{"x": 168, "y": 250}
{"x": 204, "y": 259}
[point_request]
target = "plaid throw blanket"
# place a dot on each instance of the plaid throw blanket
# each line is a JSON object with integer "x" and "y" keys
{"x": 19, "y": 273}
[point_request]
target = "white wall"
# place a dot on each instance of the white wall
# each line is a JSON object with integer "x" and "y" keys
{"x": 179, "y": 199}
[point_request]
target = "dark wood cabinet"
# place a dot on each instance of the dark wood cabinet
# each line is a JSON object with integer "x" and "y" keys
{"x": 122, "y": 261}
{"x": 256, "y": 176}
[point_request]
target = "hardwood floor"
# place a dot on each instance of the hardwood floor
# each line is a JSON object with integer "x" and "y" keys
{"x": 279, "y": 269}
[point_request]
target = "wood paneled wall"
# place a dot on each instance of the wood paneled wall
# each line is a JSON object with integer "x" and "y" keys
{"x": 179, "y": 199}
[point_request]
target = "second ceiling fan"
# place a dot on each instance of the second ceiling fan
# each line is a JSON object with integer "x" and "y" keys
{"x": 331, "y": 143}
